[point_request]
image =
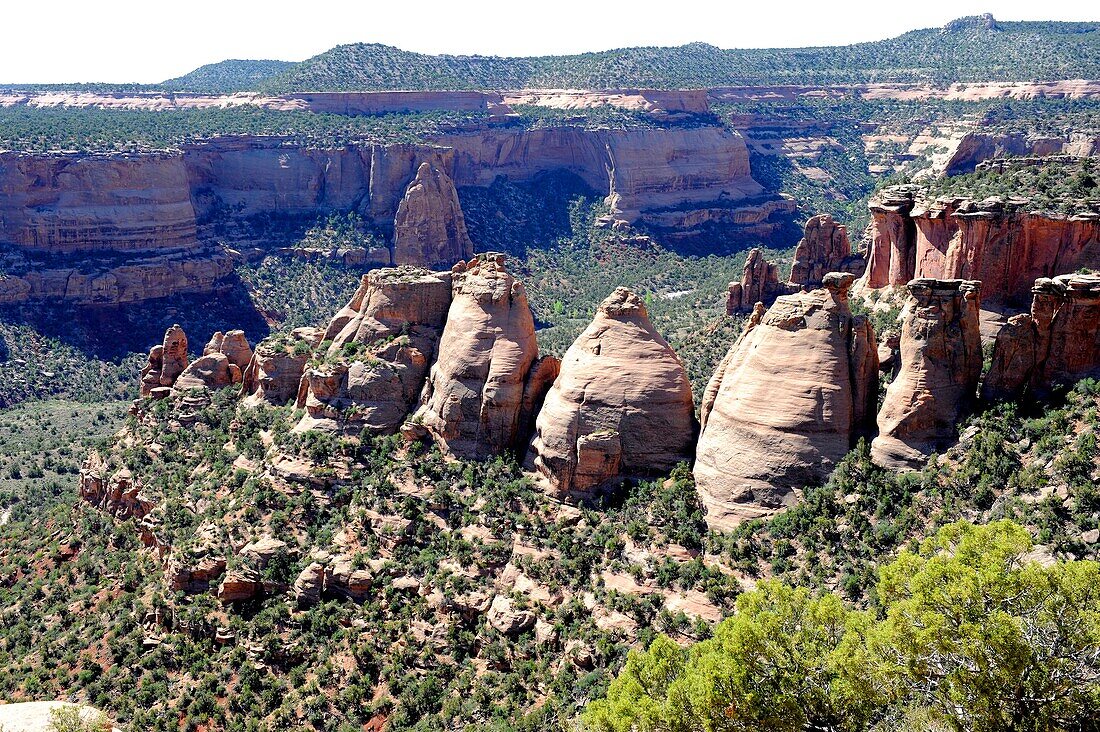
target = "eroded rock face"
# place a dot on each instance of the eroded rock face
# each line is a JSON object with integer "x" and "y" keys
{"x": 892, "y": 257}
{"x": 940, "y": 363}
{"x": 1058, "y": 342}
{"x": 472, "y": 402}
{"x": 785, "y": 404}
{"x": 996, "y": 241}
{"x": 166, "y": 362}
{"x": 234, "y": 345}
{"x": 759, "y": 283}
{"x": 429, "y": 229}
{"x": 824, "y": 248}
{"x": 276, "y": 368}
{"x": 621, "y": 404}
{"x": 382, "y": 344}
{"x": 224, "y": 359}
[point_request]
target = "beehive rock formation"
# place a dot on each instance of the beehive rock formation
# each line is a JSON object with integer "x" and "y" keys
{"x": 471, "y": 404}
{"x": 785, "y": 404}
{"x": 222, "y": 364}
{"x": 621, "y": 404}
{"x": 382, "y": 344}
{"x": 941, "y": 361}
{"x": 166, "y": 362}
{"x": 234, "y": 345}
{"x": 759, "y": 283}
{"x": 1058, "y": 342}
{"x": 429, "y": 228}
{"x": 824, "y": 248}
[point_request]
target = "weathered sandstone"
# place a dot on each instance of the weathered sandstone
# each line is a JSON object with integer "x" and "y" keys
{"x": 941, "y": 361}
{"x": 429, "y": 228}
{"x": 892, "y": 257}
{"x": 382, "y": 344}
{"x": 977, "y": 147}
{"x": 166, "y": 361}
{"x": 472, "y": 401}
{"x": 275, "y": 371}
{"x": 1058, "y": 342}
{"x": 824, "y": 248}
{"x": 785, "y": 404}
{"x": 759, "y": 283}
{"x": 620, "y": 406}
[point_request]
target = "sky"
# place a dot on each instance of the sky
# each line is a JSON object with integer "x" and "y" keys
{"x": 147, "y": 41}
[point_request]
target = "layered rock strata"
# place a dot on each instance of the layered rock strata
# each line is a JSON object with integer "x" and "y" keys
{"x": 473, "y": 398}
{"x": 940, "y": 363}
{"x": 1058, "y": 342}
{"x": 785, "y": 404}
{"x": 620, "y": 406}
{"x": 999, "y": 242}
{"x": 381, "y": 345}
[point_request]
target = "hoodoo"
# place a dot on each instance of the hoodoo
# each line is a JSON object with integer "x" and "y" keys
{"x": 824, "y": 248}
{"x": 941, "y": 361}
{"x": 429, "y": 229}
{"x": 759, "y": 283}
{"x": 166, "y": 362}
{"x": 785, "y": 404}
{"x": 1057, "y": 342}
{"x": 471, "y": 404}
{"x": 621, "y": 405}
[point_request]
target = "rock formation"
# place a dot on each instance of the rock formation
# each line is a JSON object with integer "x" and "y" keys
{"x": 785, "y": 404}
{"x": 1058, "y": 342}
{"x": 429, "y": 229}
{"x": 996, "y": 241}
{"x": 472, "y": 401}
{"x": 977, "y": 147}
{"x": 892, "y": 257}
{"x": 824, "y": 248}
{"x": 621, "y": 404}
{"x": 941, "y": 361}
{"x": 759, "y": 283}
{"x": 381, "y": 346}
{"x": 277, "y": 365}
{"x": 222, "y": 364}
{"x": 166, "y": 362}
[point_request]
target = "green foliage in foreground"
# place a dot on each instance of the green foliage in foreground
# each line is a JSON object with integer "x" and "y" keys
{"x": 967, "y": 635}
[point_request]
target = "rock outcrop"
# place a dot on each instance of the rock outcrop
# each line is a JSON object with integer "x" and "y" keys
{"x": 429, "y": 229}
{"x": 999, "y": 242}
{"x": 472, "y": 402}
{"x": 785, "y": 404}
{"x": 166, "y": 362}
{"x": 224, "y": 360}
{"x": 824, "y": 248}
{"x": 277, "y": 365}
{"x": 1058, "y": 342}
{"x": 977, "y": 147}
{"x": 381, "y": 347}
{"x": 233, "y": 345}
{"x": 620, "y": 406}
{"x": 759, "y": 283}
{"x": 891, "y": 260}
{"x": 941, "y": 361}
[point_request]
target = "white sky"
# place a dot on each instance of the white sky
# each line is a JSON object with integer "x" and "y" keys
{"x": 48, "y": 41}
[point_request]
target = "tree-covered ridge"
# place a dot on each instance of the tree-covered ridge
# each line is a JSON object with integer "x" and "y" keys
{"x": 228, "y": 76}
{"x": 969, "y": 633}
{"x": 1058, "y": 185}
{"x": 968, "y": 49}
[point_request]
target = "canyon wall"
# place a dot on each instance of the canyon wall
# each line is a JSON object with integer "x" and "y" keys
{"x": 998, "y": 242}
{"x": 119, "y": 227}
{"x": 977, "y": 147}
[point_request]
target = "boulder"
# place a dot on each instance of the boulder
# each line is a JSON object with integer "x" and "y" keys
{"x": 940, "y": 363}
{"x": 621, "y": 404}
{"x": 472, "y": 401}
{"x": 505, "y": 617}
{"x": 1058, "y": 342}
{"x": 234, "y": 345}
{"x": 429, "y": 229}
{"x": 380, "y": 348}
{"x": 309, "y": 585}
{"x": 239, "y": 585}
{"x": 785, "y": 404}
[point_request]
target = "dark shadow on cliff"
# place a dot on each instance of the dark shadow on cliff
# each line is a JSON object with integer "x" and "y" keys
{"x": 110, "y": 332}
